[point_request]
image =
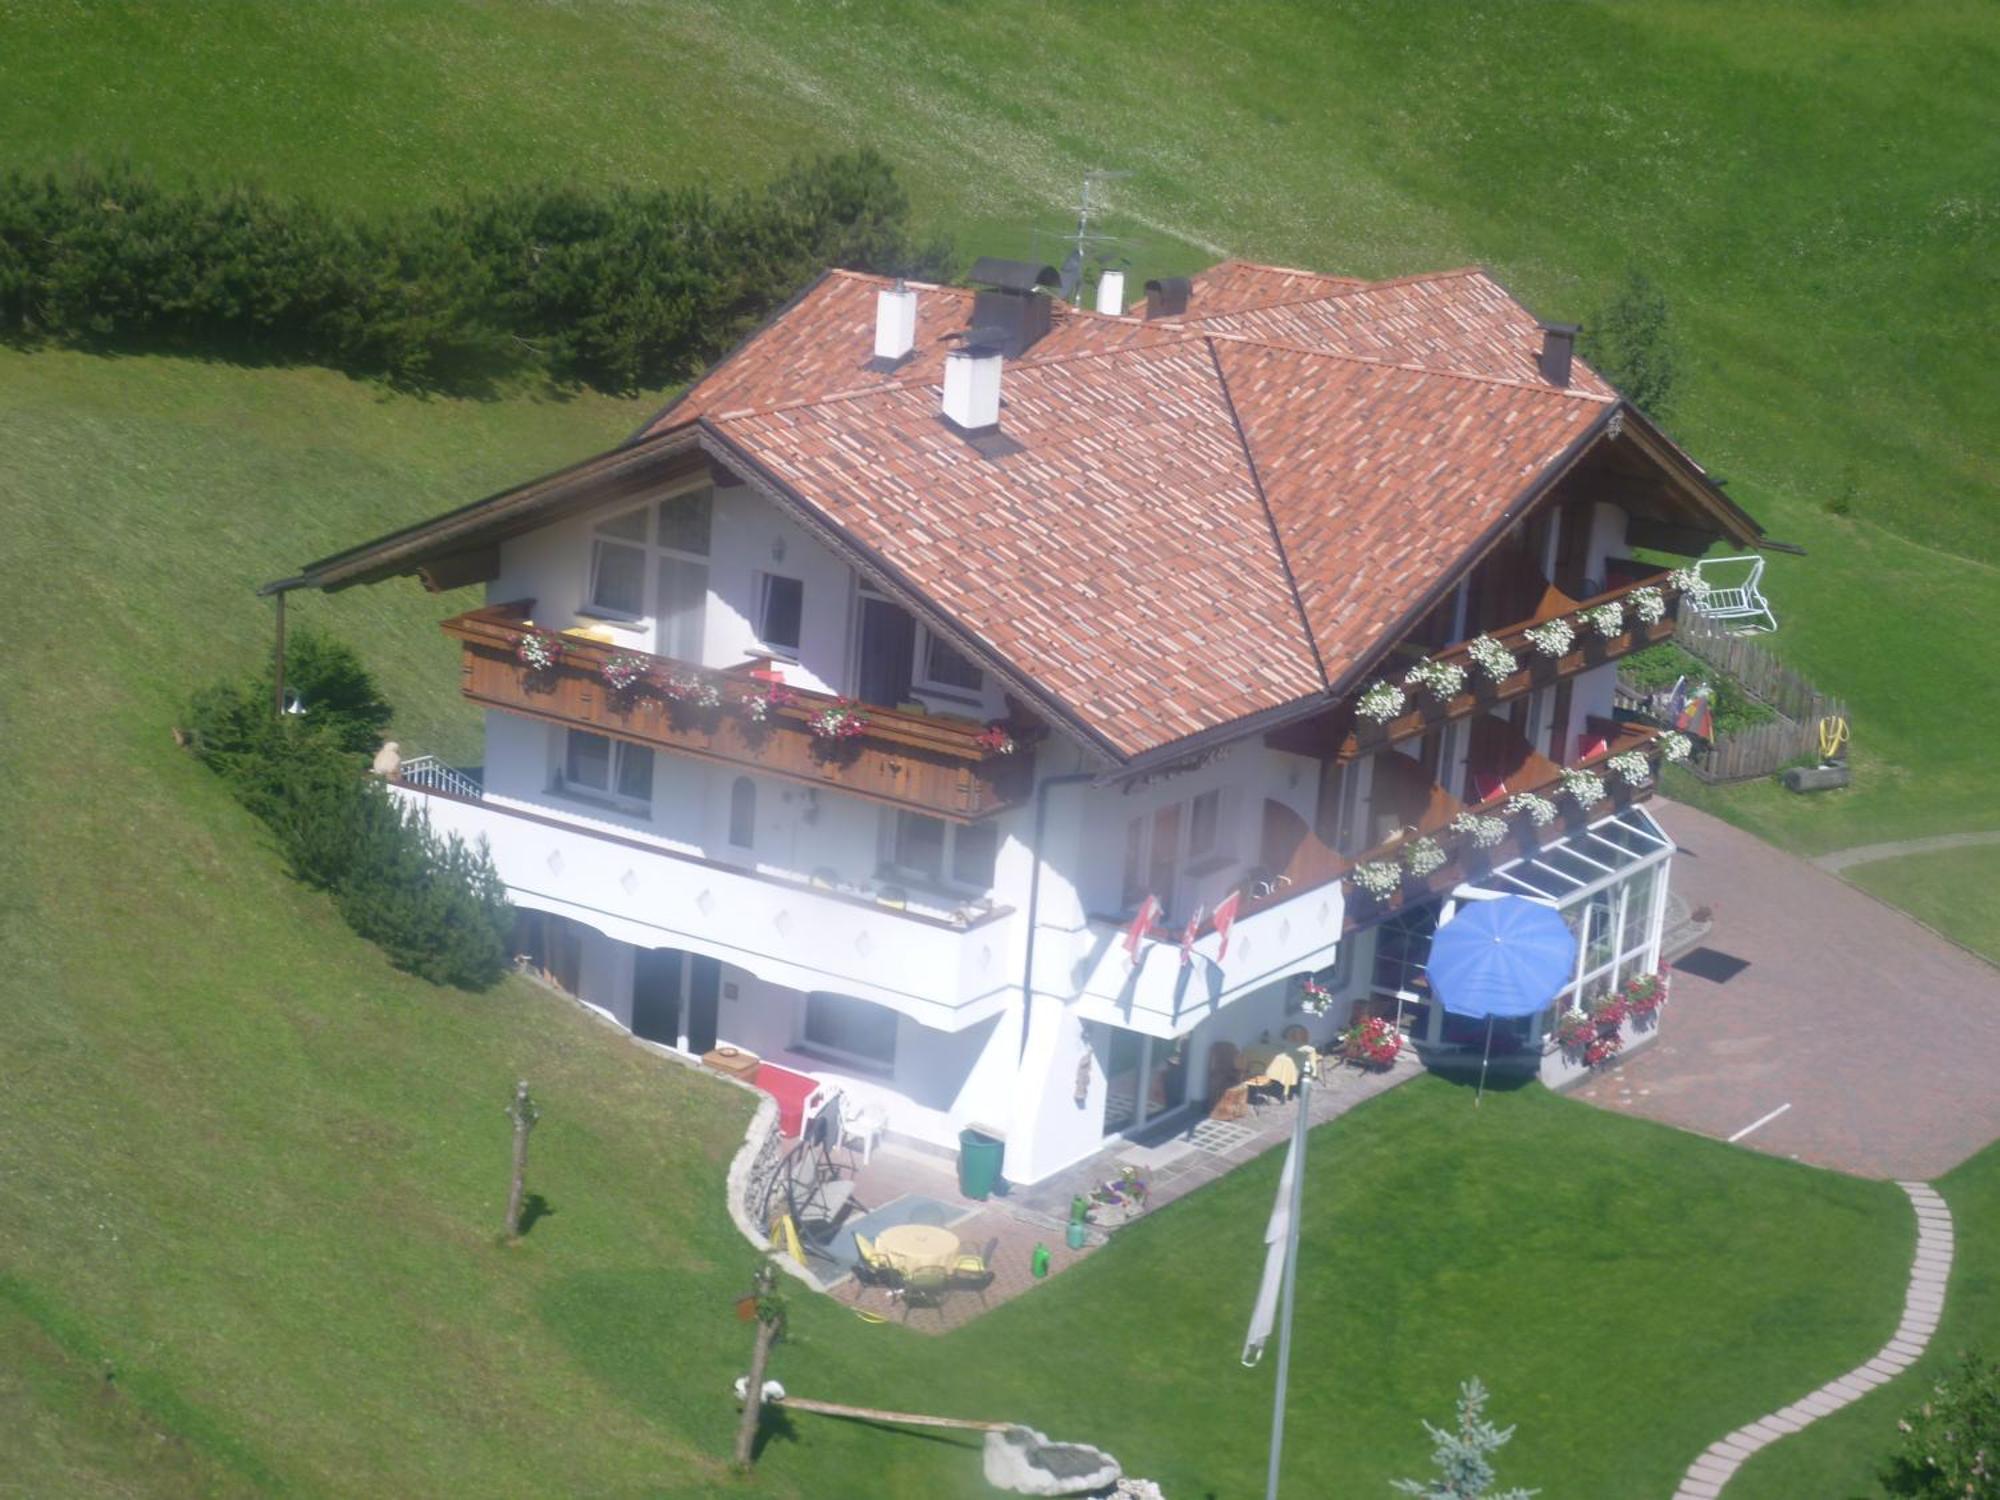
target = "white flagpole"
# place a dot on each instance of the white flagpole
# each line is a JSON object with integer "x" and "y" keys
{"x": 1291, "y": 1282}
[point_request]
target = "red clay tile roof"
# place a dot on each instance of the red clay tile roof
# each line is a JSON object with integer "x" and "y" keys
{"x": 1122, "y": 560}
{"x": 1381, "y": 479}
{"x": 1456, "y": 320}
{"x": 1236, "y": 284}
{"x": 1203, "y": 519}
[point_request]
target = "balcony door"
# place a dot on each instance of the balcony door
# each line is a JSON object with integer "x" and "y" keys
{"x": 656, "y": 995}
{"x": 888, "y": 649}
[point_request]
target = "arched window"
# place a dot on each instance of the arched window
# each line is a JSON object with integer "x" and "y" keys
{"x": 743, "y": 813}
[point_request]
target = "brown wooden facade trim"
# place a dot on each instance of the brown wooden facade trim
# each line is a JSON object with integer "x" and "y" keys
{"x": 929, "y": 764}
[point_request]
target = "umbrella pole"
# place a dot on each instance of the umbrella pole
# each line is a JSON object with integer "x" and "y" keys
{"x": 1484, "y": 1058}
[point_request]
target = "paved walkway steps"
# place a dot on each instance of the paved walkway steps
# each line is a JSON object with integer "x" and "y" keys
{"x": 1922, "y": 1306}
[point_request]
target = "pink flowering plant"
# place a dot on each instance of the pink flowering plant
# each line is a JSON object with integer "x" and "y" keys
{"x": 760, "y": 704}
{"x": 623, "y": 673}
{"x": 1603, "y": 1049}
{"x": 995, "y": 740}
{"x": 1576, "y": 1030}
{"x": 538, "y": 651}
{"x": 1644, "y": 994}
{"x": 1318, "y": 998}
{"x": 838, "y": 722}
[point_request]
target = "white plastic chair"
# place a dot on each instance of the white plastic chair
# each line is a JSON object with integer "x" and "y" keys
{"x": 1739, "y": 601}
{"x": 864, "y": 1123}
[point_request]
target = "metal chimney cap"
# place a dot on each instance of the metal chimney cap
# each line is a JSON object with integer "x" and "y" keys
{"x": 1013, "y": 275}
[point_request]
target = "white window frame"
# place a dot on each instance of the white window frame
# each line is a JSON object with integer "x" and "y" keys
{"x": 1189, "y": 864}
{"x": 651, "y": 551}
{"x": 608, "y": 796}
{"x": 922, "y": 682}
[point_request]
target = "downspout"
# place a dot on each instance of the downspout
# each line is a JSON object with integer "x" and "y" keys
{"x": 1071, "y": 778}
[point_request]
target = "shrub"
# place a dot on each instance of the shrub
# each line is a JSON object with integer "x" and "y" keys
{"x": 435, "y": 906}
{"x": 1951, "y": 1442}
{"x": 1662, "y": 665}
{"x": 613, "y": 289}
{"x": 1632, "y": 341}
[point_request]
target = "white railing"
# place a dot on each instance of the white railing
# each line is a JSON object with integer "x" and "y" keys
{"x": 433, "y": 775}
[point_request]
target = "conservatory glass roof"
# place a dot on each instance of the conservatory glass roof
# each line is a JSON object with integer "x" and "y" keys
{"x": 1578, "y": 864}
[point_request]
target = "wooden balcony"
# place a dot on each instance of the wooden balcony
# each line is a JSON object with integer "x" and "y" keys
{"x": 1312, "y": 864}
{"x": 926, "y": 763}
{"x": 1342, "y": 734}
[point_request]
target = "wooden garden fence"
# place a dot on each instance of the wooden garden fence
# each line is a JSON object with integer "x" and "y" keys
{"x": 1762, "y": 748}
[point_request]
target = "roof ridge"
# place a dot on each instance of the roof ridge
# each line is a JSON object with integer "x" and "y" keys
{"x": 1270, "y": 516}
{"x": 1366, "y": 286}
{"x": 878, "y": 279}
{"x": 1267, "y": 342}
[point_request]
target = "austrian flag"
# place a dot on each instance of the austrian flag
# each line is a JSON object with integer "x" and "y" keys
{"x": 1224, "y": 919}
{"x": 1148, "y": 914}
{"x": 1188, "y": 935}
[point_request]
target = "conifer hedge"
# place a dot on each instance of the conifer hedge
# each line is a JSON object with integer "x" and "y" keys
{"x": 617, "y": 289}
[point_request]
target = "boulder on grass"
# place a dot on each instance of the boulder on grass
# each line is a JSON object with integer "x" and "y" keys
{"x": 1024, "y": 1462}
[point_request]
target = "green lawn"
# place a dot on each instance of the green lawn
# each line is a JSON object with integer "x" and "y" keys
{"x": 1839, "y": 1458}
{"x": 1955, "y": 890}
{"x": 250, "y": 1174}
{"x": 265, "y": 1168}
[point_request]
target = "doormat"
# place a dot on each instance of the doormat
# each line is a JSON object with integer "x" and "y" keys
{"x": 1711, "y": 964}
{"x": 1218, "y": 1137}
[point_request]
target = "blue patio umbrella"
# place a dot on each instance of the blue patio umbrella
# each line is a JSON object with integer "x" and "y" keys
{"x": 1509, "y": 957}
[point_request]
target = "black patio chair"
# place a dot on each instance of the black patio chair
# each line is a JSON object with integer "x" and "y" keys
{"x": 974, "y": 1273}
{"x": 926, "y": 1286}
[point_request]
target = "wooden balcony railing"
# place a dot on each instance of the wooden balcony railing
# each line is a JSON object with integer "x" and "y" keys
{"x": 946, "y": 767}
{"x": 1315, "y": 864}
{"x": 1343, "y": 734}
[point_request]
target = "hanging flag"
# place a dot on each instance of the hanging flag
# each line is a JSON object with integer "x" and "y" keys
{"x": 1224, "y": 919}
{"x": 1277, "y": 1245}
{"x": 1187, "y": 937}
{"x": 1149, "y": 913}
{"x": 1697, "y": 716}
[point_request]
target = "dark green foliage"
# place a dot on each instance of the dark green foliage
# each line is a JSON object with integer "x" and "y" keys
{"x": 436, "y": 907}
{"x": 614, "y": 289}
{"x": 1951, "y": 1442}
{"x": 1632, "y": 342}
{"x": 1659, "y": 666}
{"x": 334, "y": 691}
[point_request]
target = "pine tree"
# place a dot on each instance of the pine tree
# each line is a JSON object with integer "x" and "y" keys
{"x": 1632, "y": 341}
{"x": 1463, "y": 1458}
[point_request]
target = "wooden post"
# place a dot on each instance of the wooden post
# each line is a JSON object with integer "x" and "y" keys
{"x": 278, "y": 667}
{"x": 523, "y": 1113}
{"x": 770, "y": 1323}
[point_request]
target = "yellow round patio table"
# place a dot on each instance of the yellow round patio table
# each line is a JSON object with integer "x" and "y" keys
{"x": 917, "y": 1247}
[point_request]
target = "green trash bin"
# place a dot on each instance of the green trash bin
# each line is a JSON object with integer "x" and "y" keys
{"x": 979, "y": 1157}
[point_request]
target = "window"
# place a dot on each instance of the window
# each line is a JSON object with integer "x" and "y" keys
{"x": 1162, "y": 844}
{"x": 957, "y": 854}
{"x": 683, "y": 607}
{"x": 600, "y": 767}
{"x": 743, "y": 813}
{"x": 945, "y": 667}
{"x": 920, "y": 845}
{"x": 780, "y": 609}
{"x": 618, "y": 566}
{"x": 1203, "y": 816}
{"x": 974, "y": 849}
{"x": 851, "y": 1029}
{"x": 676, "y": 532}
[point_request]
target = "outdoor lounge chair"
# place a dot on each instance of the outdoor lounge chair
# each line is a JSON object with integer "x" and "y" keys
{"x": 1738, "y": 604}
{"x": 815, "y": 1197}
{"x": 927, "y": 1286}
{"x": 975, "y": 1272}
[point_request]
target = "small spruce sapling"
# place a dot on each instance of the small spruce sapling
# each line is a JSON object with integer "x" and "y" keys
{"x": 1463, "y": 1458}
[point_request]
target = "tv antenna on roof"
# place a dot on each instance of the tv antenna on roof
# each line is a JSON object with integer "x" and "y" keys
{"x": 1084, "y": 242}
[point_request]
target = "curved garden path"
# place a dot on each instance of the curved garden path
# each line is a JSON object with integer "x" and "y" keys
{"x": 1864, "y": 854}
{"x": 1922, "y": 1306}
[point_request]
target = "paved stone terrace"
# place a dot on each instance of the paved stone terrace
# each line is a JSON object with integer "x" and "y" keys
{"x": 1881, "y": 1036}
{"x": 1178, "y": 1162}
{"x": 1924, "y": 1303}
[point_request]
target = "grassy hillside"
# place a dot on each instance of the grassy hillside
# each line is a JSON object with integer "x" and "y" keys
{"x": 1813, "y": 188}
{"x": 250, "y": 1174}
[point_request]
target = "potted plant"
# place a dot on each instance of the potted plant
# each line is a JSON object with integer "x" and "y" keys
{"x": 995, "y": 740}
{"x": 837, "y": 723}
{"x": 1443, "y": 680}
{"x": 1495, "y": 662}
{"x": 1576, "y": 1031}
{"x": 1374, "y": 1043}
{"x": 1378, "y": 878}
{"x": 1381, "y": 702}
{"x": 539, "y": 651}
{"x": 623, "y": 673}
{"x": 1551, "y": 638}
